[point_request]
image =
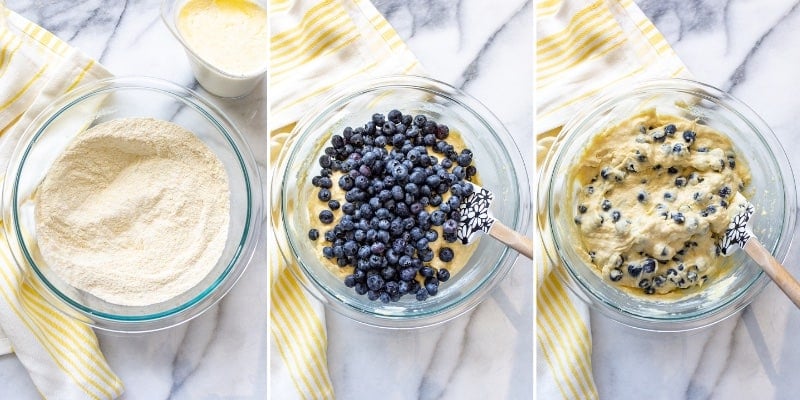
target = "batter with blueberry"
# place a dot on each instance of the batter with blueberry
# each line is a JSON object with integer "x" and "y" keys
{"x": 387, "y": 204}
{"x": 654, "y": 195}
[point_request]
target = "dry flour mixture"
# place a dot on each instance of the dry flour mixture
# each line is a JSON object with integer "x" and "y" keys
{"x": 135, "y": 211}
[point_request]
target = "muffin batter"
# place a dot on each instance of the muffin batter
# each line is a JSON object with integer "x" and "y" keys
{"x": 656, "y": 194}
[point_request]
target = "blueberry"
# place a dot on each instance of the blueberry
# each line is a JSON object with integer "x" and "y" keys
{"x": 672, "y": 170}
{"x": 327, "y": 251}
{"x": 634, "y": 270}
{"x": 649, "y": 266}
{"x": 641, "y": 197}
{"x": 680, "y": 181}
{"x": 453, "y": 202}
{"x": 361, "y": 288}
{"x": 337, "y": 141}
{"x": 364, "y": 252}
{"x": 430, "y": 128}
{"x": 669, "y": 130}
{"x": 438, "y": 217}
{"x": 442, "y": 131}
{"x": 405, "y": 261}
{"x": 615, "y": 216}
{"x": 324, "y": 194}
{"x": 724, "y": 192}
{"x": 373, "y": 295}
{"x": 432, "y": 286}
{"x": 422, "y": 294}
{"x": 420, "y": 121}
{"x": 615, "y": 274}
{"x": 677, "y": 148}
{"x": 644, "y": 283}
{"x": 385, "y": 297}
{"x": 325, "y": 182}
{"x": 446, "y": 254}
{"x": 313, "y": 234}
{"x": 605, "y": 172}
{"x": 392, "y": 288}
{"x": 394, "y": 116}
{"x": 689, "y": 136}
{"x": 460, "y": 172}
{"x": 330, "y": 236}
{"x": 678, "y": 218}
{"x": 350, "y": 248}
{"x": 326, "y": 216}
{"x": 375, "y": 282}
{"x": 408, "y": 274}
{"x": 325, "y": 161}
{"x": 400, "y": 172}
{"x": 431, "y": 235}
{"x": 443, "y": 275}
{"x": 605, "y": 205}
{"x": 388, "y": 274}
{"x": 450, "y": 226}
{"x": 658, "y": 136}
{"x": 464, "y": 159}
{"x": 668, "y": 196}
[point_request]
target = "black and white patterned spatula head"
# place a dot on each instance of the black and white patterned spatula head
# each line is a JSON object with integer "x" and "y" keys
{"x": 475, "y": 215}
{"x": 738, "y": 232}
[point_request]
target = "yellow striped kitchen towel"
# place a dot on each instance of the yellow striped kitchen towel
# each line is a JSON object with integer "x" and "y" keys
{"x": 316, "y": 46}
{"x": 583, "y": 49}
{"x": 61, "y": 354}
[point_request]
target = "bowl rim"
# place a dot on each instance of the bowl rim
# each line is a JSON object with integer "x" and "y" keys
{"x": 189, "y": 309}
{"x": 573, "y": 280}
{"x": 422, "y": 319}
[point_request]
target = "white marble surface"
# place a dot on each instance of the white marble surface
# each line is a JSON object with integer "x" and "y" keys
{"x": 748, "y": 48}
{"x": 221, "y": 354}
{"x": 486, "y": 49}
{"x": 483, "y": 47}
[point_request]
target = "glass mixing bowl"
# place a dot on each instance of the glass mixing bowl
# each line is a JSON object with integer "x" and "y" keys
{"x": 500, "y": 166}
{"x": 98, "y": 102}
{"x": 772, "y": 192}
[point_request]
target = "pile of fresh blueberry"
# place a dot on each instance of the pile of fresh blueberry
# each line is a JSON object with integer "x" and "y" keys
{"x": 401, "y": 178}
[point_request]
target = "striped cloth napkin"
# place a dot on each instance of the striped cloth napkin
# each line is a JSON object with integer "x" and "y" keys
{"x": 61, "y": 354}
{"x": 316, "y": 46}
{"x": 583, "y": 49}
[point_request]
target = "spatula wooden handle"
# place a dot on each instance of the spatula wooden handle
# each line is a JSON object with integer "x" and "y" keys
{"x": 785, "y": 281}
{"x": 513, "y": 239}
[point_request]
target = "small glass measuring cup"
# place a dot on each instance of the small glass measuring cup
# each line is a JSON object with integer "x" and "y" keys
{"x": 213, "y": 79}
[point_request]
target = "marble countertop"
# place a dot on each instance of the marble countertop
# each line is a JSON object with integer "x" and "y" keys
{"x": 484, "y": 48}
{"x": 481, "y": 47}
{"x": 748, "y": 49}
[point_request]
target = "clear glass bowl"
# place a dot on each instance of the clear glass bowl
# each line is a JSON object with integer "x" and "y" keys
{"x": 98, "y": 102}
{"x": 500, "y": 166}
{"x": 772, "y": 191}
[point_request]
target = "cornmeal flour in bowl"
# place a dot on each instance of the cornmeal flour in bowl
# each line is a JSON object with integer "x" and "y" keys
{"x": 638, "y": 190}
{"x": 130, "y": 204}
